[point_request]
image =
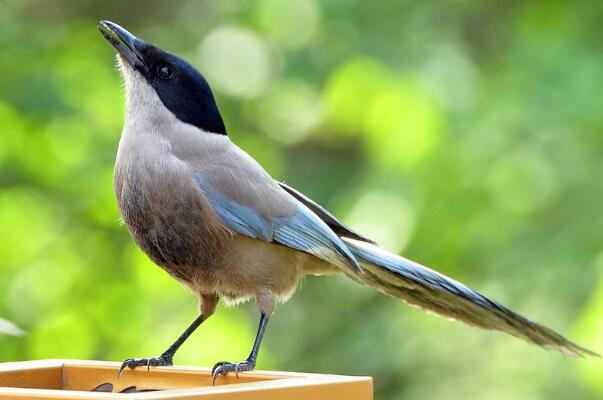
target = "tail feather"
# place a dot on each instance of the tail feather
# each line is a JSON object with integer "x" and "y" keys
{"x": 422, "y": 287}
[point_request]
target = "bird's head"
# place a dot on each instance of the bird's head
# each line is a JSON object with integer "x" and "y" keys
{"x": 151, "y": 73}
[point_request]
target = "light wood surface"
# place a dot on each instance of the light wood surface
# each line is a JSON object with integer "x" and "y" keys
{"x": 74, "y": 379}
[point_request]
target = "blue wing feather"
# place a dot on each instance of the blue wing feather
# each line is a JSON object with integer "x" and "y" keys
{"x": 238, "y": 217}
{"x": 302, "y": 231}
{"x": 306, "y": 232}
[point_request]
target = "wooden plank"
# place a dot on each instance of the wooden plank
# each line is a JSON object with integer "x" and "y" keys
{"x": 44, "y": 379}
{"x": 32, "y": 374}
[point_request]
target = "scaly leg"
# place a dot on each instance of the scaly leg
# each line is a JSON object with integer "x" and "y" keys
{"x": 208, "y": 306}
{"x": 224, "y": 367}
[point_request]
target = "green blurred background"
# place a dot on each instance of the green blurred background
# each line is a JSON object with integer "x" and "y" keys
{"x": 465, "y": 135}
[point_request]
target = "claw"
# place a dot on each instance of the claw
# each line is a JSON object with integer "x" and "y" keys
{"x": 124, "y": 365}
{"x": 217, "y": 365}
{"x": 214, "y": 376}
{"x": 121, "y": 369}
{"x": 224, "y": 367}
{"x": 217, "y": 370}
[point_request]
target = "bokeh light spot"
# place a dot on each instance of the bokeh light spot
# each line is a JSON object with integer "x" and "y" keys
{"x": 403, "y": 126}
{"x": 290, "y": 23}
{"x": 351, "y": 89}
{"x": 290, "y": 111}
{"x": 384, "y": 217}
{"x": 235, "y": 61}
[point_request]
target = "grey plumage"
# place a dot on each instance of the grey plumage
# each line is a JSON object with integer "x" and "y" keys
{"x": 209, "y": 214}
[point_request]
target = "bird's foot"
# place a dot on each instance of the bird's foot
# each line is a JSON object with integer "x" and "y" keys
{"x": 163, "y": 360}
{"x": 224, "y": 367}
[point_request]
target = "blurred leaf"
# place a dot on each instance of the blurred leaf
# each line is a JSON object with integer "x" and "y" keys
{"x": 9, "y": 328}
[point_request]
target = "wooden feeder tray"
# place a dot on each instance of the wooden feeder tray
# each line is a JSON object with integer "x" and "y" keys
{"x": 72, "y": 379}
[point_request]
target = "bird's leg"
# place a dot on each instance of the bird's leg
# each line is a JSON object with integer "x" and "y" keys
{"x": 167, "y": 356}
{"x": 224, "y": 367}
{"x": 208, "y": 306}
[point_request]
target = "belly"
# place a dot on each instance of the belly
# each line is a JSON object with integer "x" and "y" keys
{"x": 171, "y": 222}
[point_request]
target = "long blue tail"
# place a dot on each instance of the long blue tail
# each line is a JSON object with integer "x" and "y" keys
{"x": 422, "y": 287}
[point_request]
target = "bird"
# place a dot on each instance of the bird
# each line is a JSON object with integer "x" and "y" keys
{"x": 207, "y": 213}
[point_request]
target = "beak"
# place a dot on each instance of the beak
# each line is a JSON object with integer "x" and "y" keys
{"x": 126, "y": 44}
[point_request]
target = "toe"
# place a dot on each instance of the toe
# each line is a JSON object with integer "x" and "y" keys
{"x": 163, "y": 360}
{"x": 224, "y": 367}
{"x": 129, "y": 363}
{"x": 217, "y": 366}
{"x": 217, "y": 371}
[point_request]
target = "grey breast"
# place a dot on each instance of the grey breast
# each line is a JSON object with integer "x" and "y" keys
{"x": 168, "y": 219}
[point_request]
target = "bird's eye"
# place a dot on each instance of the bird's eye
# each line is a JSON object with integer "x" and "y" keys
{"x": 164, "y": 71}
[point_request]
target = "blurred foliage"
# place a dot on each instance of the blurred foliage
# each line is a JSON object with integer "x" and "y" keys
{"x": 466, "y": 135}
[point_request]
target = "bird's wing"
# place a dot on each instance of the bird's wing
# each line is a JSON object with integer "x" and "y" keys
{"x": 251, "y": 203}
{"x": 336, "y": 226}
